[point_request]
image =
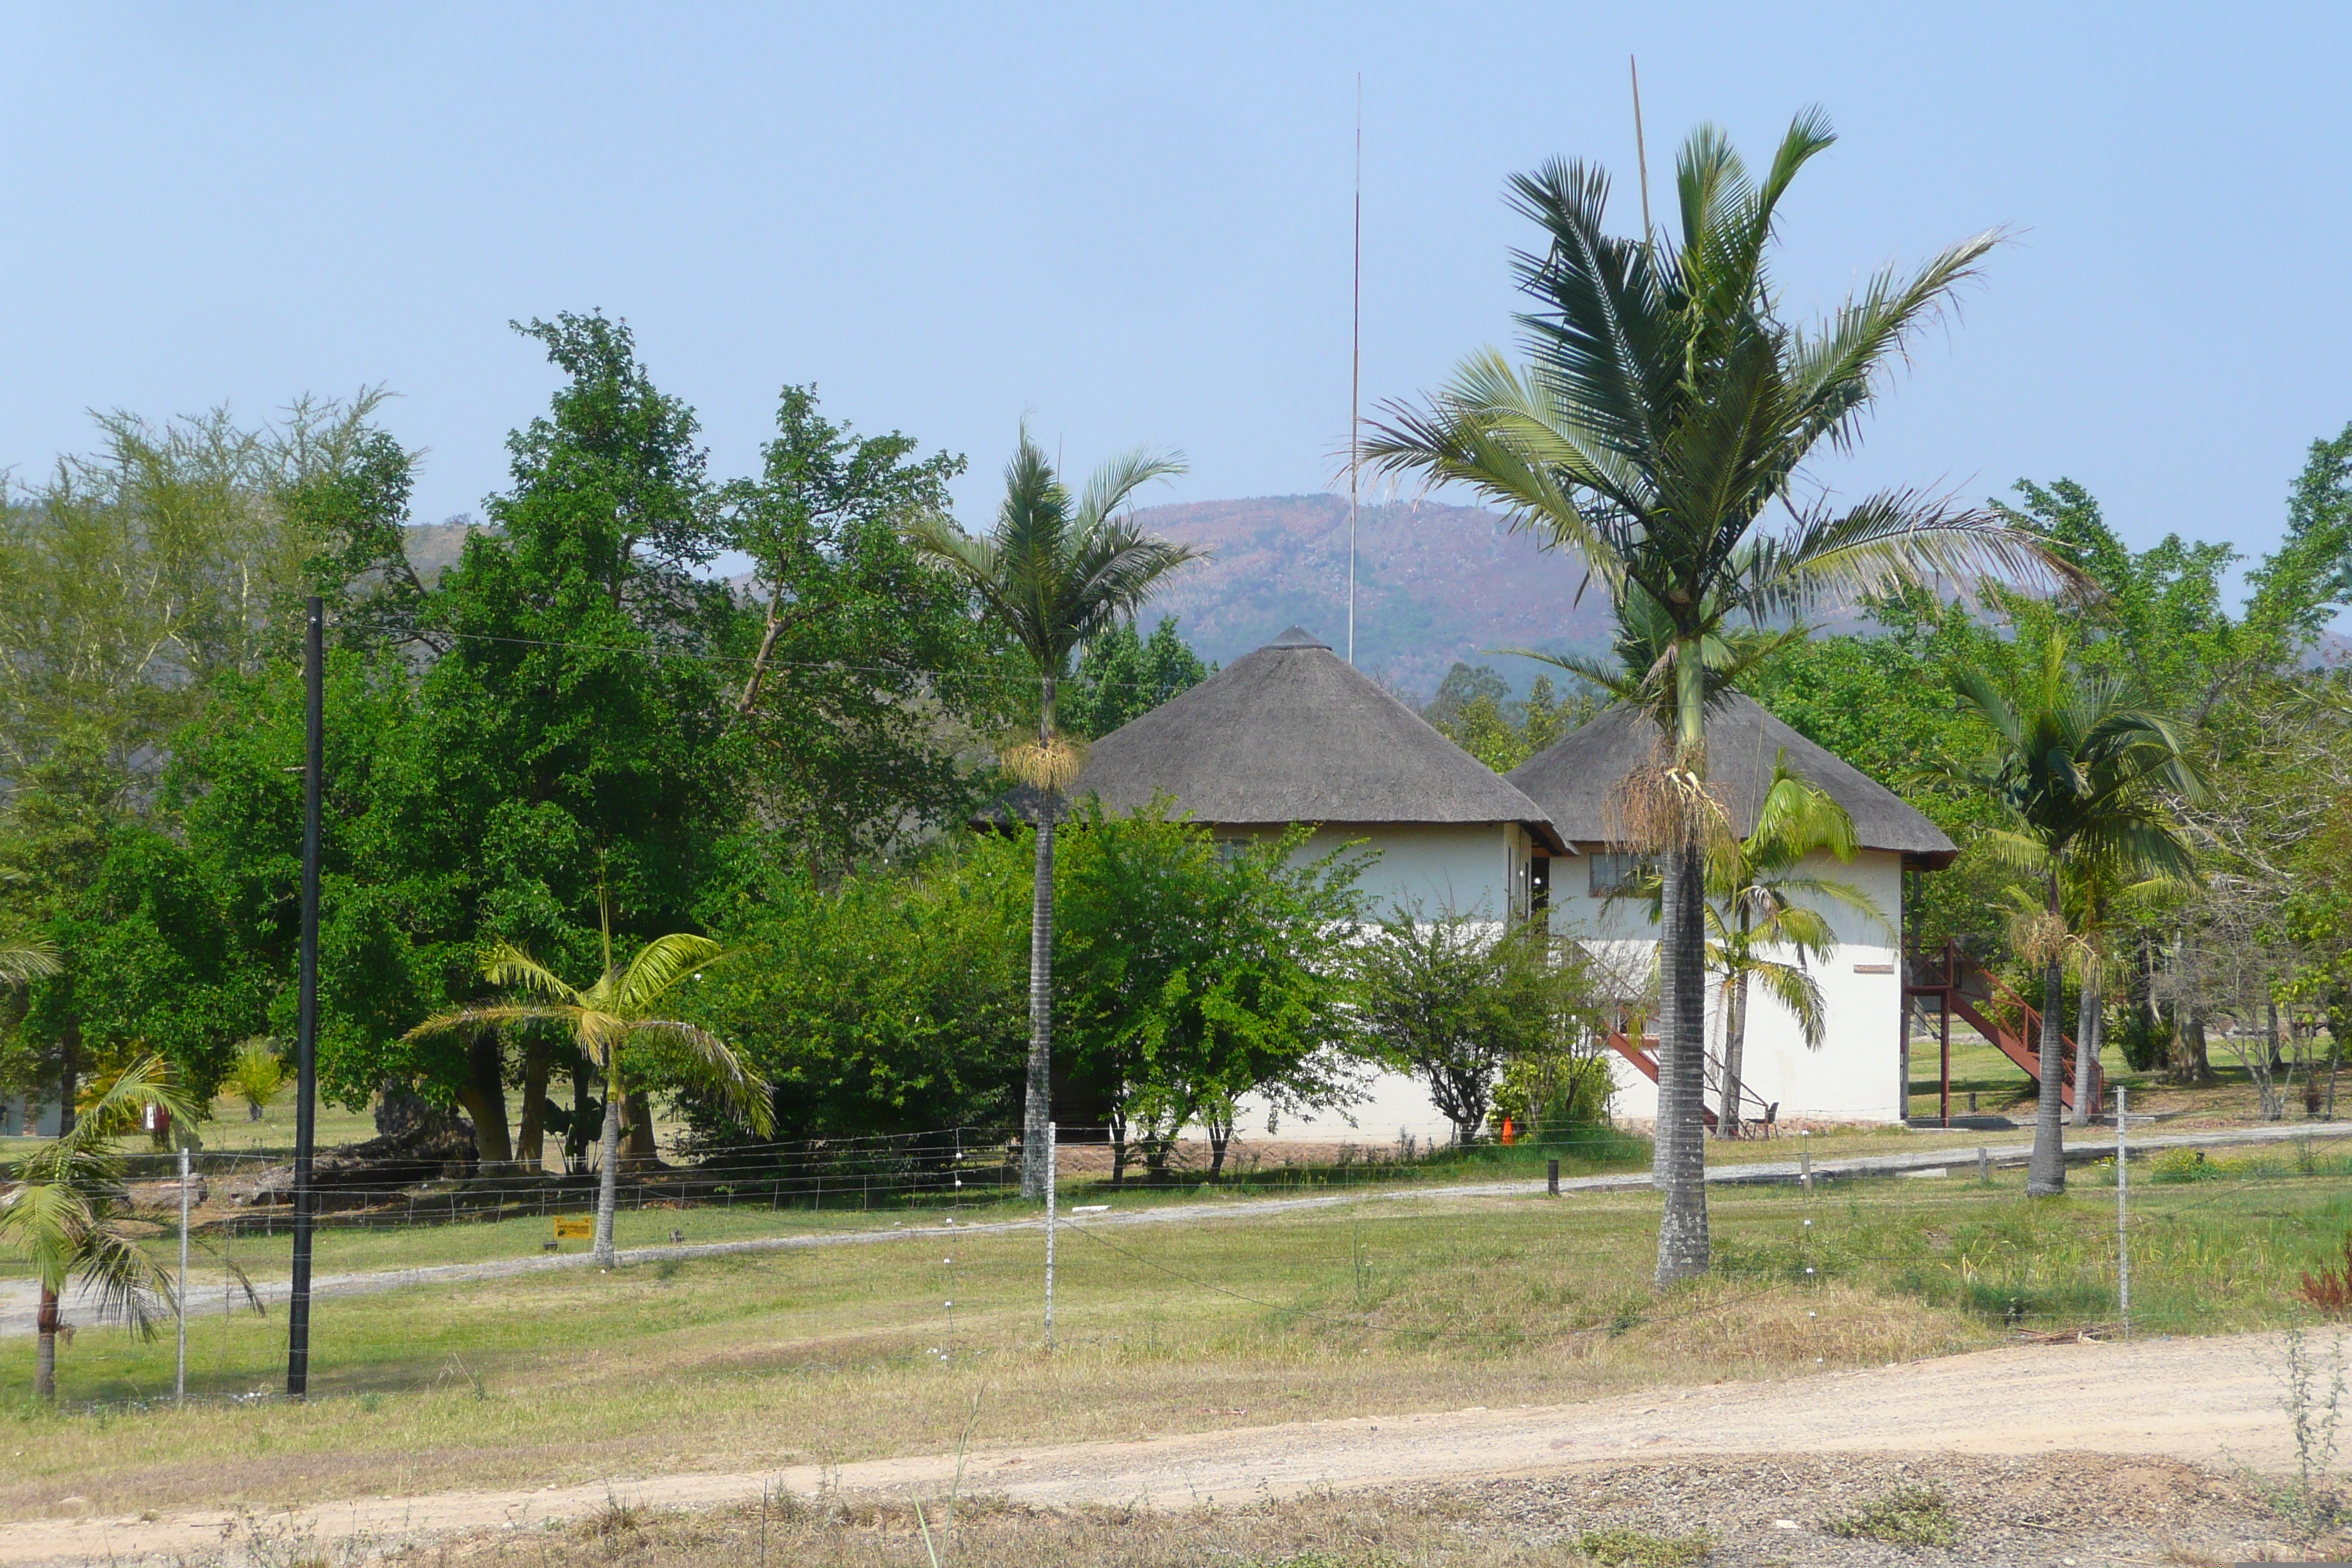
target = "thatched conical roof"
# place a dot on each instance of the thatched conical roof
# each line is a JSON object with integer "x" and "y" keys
{"x": 1571, "y": 780}
{"x": 1291, "y": 733}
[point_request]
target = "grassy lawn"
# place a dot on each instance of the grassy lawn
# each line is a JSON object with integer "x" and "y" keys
{"x": 839, "y": 1354}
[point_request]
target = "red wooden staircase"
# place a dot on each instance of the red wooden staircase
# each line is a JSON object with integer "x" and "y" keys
{"x": 1645, "y": 1057}
{"x": 1965, "y": 989}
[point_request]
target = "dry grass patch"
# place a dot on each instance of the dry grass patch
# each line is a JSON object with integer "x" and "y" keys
{"x": 754, "y": 1362}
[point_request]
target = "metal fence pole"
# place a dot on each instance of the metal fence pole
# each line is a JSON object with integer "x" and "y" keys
{"x": 2123, "y": 1215}
{"x": 1051, "y": 1138}
{"x": 180, "y": 1374}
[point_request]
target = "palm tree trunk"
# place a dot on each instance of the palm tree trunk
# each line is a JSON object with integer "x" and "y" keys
{"x": 608, "y": 1184}
{"x": 1679, "y": 1163}
{"x": 45, "y": 1356}
{"x": 1735, "y": 1046}
{"x": 1038, "y": 1103}
{"x": 2046, "y": 1173}
{"x": 2086, "y": 1039}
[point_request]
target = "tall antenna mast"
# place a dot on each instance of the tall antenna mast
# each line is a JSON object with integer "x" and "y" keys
{"x": 1641, "y": 151}
{"x": 1355, "y": 367}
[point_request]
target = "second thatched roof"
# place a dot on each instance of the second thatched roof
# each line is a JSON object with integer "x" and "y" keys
{"x": 1572, "y": 779}
{"x": 1291, "y": 733}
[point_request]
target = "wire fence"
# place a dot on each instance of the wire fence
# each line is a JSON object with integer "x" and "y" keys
{"x": 251, "y": 1194}
{"x": 1833, "y": 1271}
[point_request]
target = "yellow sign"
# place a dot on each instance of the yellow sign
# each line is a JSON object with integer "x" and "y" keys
{"x": 580, "y": 1227}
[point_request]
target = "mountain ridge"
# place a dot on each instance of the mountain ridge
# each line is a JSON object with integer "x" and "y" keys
{"x": 1434, "y": 584}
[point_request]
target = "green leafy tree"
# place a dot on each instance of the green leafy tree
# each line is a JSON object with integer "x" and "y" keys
{"x": 616, "y": 1022}
{"x": 1058, "y": 571}
{"x": 1664, "y": 408}
{"x": 868, "y": 672}
{"x": 559, "y": 742}
{"x": 2077, "y": 767}
{"x": 1455, "y": 1001}
{"x": 1500, "y": 732}
{"x": 68, "y": 1217}
{"x": 133, "y": 581}
{"x": 1190, "y": 975}
{"x": 1123, "y": 675}
{"x": 890, "y": 1000}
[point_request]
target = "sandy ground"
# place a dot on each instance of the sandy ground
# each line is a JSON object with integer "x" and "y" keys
{"x": 2213, "y": 1402}
{"x": 19, "y": 1299}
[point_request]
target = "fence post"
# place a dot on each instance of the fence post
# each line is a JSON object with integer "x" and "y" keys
{"x": 1551, "y": 1177}
{"x": 1051, "y": 1138}
{"x": 180, "y": 1375}
{"x": 1984, "y": 1165}
{"x": 1805, "y": 1161}
{"x": 2123, "y": 1215}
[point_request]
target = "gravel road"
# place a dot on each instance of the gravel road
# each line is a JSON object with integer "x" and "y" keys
{"x": 2210, "y": 1401}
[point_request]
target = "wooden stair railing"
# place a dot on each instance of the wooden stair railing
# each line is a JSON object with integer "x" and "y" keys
{"x": 1645, "y": 1056}
{"x": 2021, "y": 1046}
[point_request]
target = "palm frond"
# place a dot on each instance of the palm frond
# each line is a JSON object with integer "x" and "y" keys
{"x": 508, "y": 965}
{"x": 147, "y": 1082}
{"x": 43, "y": 1221}
{"x": 660, "y": 964}
{"x": 714, "y": 1064}
{"x": 28, "y": 958}
{"x": 1112, "y": 486}
{"x": 1893, "y": 539}
{"x": 1800, "y": 993}
{"x": 1832, "y": 372}
{"x": 497, "y": 1015}
{"x": 126, "y": 1285}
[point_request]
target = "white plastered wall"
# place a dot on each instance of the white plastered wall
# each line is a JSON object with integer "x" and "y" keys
{"x": 1477, "y": 869}
{"x": 1857, "y": 1073}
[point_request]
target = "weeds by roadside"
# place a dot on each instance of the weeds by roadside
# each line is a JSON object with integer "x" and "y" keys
{"x": 1622, "y": 1547}
{"x": 2311, "y": 1394}
{"x": 1902, "y": 1516}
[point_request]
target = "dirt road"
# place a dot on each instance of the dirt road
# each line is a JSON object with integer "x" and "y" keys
{"x": 2210, "y": 1401}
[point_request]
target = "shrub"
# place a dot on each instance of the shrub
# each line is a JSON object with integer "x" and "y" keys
{"x": 258, "y": 1074}
{"x": 2330, "y": 1291}
{"x": 1622, "y": 1547}
{"x": 2182, "y": 1165}
{"x": 1905, "y": 1516}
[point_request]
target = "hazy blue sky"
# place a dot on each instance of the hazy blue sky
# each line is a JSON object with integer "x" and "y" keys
{"x": 1132, "y": 225}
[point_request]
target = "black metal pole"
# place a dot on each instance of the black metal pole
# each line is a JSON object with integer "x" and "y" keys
{"x": 306, "y": 1081}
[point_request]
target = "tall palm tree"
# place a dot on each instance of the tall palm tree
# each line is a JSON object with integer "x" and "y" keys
{"x": 1057, "y": 571}
{"x": 1663, "y": 407}
{"x": 66, "y": 1213}
{"x": 618, "y": 1011}
{"x": 1761, "y": 903}
{"x": 2080, "y": 769}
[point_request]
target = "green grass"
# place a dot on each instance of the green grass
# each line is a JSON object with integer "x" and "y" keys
{"x": 757, "y": 1360}
{"x": 2000, "y": 1086}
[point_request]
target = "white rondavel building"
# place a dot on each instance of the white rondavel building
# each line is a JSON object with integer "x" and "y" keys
{"x": 1859, "y": 1071}
{"x": 1291, "y": 733}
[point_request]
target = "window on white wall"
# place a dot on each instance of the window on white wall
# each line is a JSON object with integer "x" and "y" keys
{"x": 1614, "y": 874}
